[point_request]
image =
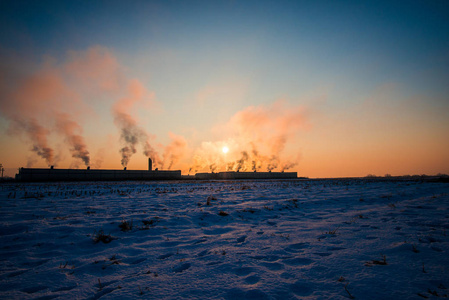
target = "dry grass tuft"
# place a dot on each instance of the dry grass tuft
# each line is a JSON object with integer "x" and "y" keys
{"x": 347, "y": 291}
{"x": 382, "y": 262}
{"x": 209, "y": 199}
{"x": 126, "y": 226}
{"x": 100, "y": 236}
{"x": 332, "y": 232}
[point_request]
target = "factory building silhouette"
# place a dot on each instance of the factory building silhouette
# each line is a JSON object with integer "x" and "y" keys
{"x": 54, "y": 174}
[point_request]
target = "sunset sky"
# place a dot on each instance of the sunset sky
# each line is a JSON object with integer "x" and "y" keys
{"x": 324, "y": 88}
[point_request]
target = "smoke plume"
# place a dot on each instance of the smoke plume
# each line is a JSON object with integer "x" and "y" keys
{"x": 174, "y": 151}
{"x": 256, "y": 137}
{"x": 242, "y": 162}
{"x": 37, "y": 135}
{"x": 30, "y": 106}
{"x": 68, "y": 128}
{"x": 45, "y": 98}
{"x": 130, "y": 133}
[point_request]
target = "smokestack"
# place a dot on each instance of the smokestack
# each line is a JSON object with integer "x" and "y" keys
{"x": 124, "y": 168}
{"x": 150, "y": 164}
{"x": 88, "y": 167}
{"x": 51, "y": 167}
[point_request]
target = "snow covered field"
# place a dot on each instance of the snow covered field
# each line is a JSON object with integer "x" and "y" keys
{"x": 321, "y": 239}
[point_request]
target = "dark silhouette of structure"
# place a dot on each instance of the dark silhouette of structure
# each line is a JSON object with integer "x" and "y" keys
{"x": 53, "y": 174}
{"x": 246, "y": 175}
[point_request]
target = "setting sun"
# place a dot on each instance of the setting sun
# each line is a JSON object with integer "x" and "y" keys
{"x": 225, "y": 149}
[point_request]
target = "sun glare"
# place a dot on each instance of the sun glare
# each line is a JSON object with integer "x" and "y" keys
{"x": 225, "y": 149}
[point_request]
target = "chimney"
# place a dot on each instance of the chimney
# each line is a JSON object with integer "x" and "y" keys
{"x": 150, "y": 164}
{"x": 124, "y": 168}
{"x": 88, "y": 167}
{"x": 51, "y": 167}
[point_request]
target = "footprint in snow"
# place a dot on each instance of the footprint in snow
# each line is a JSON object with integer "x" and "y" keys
{"x": 269, "y": 258}
{"x": 253, "y": 279}
{"x": 437, "y": 249}
{"x": 34, "y": 289}
{"x": 200, "y": 241}
{"x": 202, "y": 253}
{"x": 17, "y": 273}
{"x": 294, "y": 248}
{"x": 241, "y": 239}
{"x": 236, "y": 293}
{"x": 243, "y": 271}
{"x": 138, "y": 261}
{"x": 181, "y": 268}
{"x": 333, "y": 248}
{"x": 104, "y": 292}
{"x": 65, "y": 288}
{"x": 298, "y": 261}
{"x": 301, "y": 288}
{"x": 164, "y": 256}
{"x": 272, "y": 266}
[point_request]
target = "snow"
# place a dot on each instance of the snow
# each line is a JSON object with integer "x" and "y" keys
{"x": 297, "y": 239}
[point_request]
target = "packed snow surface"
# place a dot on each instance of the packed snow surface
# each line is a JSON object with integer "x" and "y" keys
{"x": 299, "y": 239}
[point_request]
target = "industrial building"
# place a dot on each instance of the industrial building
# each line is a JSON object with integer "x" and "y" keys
{"x": 246, "y": 175}
{"x": 53, "y": 174}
